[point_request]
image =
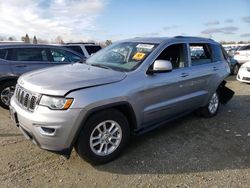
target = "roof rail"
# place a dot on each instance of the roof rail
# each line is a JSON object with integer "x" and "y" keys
{"x": 80, "y": 43}
{"x": 180, "y": 36}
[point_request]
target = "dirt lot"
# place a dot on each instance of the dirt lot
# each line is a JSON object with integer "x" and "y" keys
{"x": 191, "y": 152}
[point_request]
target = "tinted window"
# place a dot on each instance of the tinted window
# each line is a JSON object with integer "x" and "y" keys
{"x": 59, "y": 55}
{"x": 31, "y": 54}
{"x": 217, "y": 53}
{"x": 76, "y": 49}
{"x": 244, "y": 48}
{"x": 200, "y": 54}
{"x": 175, "y": 54}
{"x": 3, "y": 53}
{"x": 92, "y": 49}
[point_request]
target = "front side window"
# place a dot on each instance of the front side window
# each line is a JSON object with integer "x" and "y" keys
{"x": 59, "y": 55}
{"x": 175, "y": 54}
{"x": 124, "y": 56}
{"x": 31, "y": 54}
{"x": 200, "y": 54}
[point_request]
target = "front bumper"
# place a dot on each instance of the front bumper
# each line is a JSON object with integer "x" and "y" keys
{"x": 243, "y": 76}
{"x": 52, "y": 130}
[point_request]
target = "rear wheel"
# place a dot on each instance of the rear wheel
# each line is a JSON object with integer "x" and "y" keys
{"x": 6, "y": 92}
{"x": 103, "y": 137}
{"x": 211, "y": 109}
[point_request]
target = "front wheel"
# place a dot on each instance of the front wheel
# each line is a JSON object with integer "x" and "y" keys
{"x": 6, "y": 92}
{"x": 211, "y": 109}
{"x": 103, "y": 137}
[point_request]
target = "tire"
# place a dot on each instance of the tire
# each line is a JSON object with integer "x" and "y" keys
{"x": 6, "y": 91}
{"x": 98, "y": 154}
{"x": 212, "y": 108}
{"x": 236, "y": 69}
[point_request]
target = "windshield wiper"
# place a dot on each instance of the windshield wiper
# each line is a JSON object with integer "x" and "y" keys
{"x": 82, "y": 61}
{"x": 100, "y": 65}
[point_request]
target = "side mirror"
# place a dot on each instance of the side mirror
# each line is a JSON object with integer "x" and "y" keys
{"x": 160, "y": 66}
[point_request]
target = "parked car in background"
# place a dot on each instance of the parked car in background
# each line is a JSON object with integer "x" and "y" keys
{"x": 232, "y": 50}
{"x": 129, "y": 87}
{"x": 233, "y": 64}
{"x": 16, "y": 59}
{"x": 242, "y": 55}
{"x": 244, "y": 73}
{"x": 86, "y": 49}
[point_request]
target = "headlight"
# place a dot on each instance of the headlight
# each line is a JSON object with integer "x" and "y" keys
{"x": 56, "y": 103}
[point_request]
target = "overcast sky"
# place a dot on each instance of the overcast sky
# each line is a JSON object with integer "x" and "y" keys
{"x": 118, "y": 19}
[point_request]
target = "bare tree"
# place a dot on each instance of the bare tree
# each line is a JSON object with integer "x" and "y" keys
{"x": 58, "y": 40}
{"x": 108, "y": 42}
{"x": 25, "y": 38}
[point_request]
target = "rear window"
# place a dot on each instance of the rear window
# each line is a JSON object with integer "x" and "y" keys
{"x": 244, "y": 48}
{"x": 92, "y": 49}
{"x": 3, "y": 53}
{"x": 200, "y": 54}
{"x": 75, "y": 48}
{"x": 30, "y": 54}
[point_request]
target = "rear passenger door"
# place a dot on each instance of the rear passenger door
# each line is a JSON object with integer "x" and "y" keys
{"x": 172, "y": 93}
{"x": 204, "y": 68}
{"x": 27, "y": 59}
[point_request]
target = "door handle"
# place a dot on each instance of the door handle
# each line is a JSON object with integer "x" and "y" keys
{"x": 215, "y": 68}
{"x": 20, "y": 66}
{"x": 183, "y": 75}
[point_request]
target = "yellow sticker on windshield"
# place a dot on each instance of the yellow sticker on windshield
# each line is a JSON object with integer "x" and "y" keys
{"x": 139, "y": 56}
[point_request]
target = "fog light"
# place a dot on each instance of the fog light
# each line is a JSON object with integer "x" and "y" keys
{"x": 48, "y": 130}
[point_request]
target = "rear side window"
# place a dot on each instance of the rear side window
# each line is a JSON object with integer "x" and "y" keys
{"x": 200, "y": 54}
{"x": 30, "y": 54}
{"x": 217, "y": 53}
{"x": 3, "y": 53}
{"x": 92, "y": 49}
{"x": 75, "y": 48}
{"x": 59, "y": 55}
{"x": 225, "y": 55}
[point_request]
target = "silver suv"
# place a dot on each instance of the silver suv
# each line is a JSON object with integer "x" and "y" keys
{"x": 129, "y": 87}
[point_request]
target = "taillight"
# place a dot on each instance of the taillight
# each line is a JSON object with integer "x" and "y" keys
{"x": 237, "y": 53}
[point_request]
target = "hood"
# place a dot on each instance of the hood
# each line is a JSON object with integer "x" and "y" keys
{"x": 247, "y": 64}
{"x": 60, "y": 80}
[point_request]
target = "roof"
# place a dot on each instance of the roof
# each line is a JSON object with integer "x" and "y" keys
{"x": 168, "y": 39}
{"x": 11, "y": 45}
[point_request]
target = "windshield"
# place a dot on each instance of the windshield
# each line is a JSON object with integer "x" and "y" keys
{"x": 125, "y": 56}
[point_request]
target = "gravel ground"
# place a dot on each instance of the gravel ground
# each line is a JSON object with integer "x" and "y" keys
{"x": 190, "y": 152}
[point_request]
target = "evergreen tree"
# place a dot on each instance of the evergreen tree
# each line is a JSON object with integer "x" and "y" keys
{"x": 35, "y": 40}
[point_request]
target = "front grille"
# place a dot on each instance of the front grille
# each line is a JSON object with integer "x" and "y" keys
{"x": 246, "y": 78}
{"x": 26, "y": 99}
